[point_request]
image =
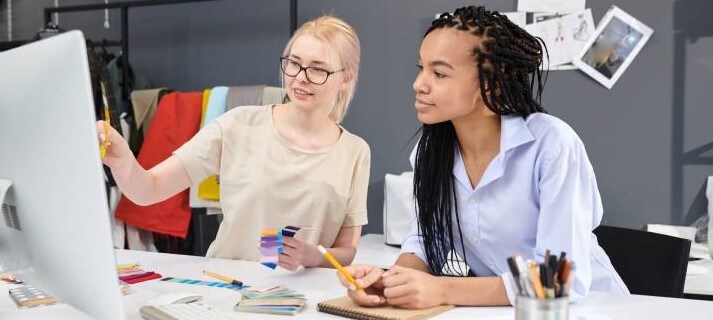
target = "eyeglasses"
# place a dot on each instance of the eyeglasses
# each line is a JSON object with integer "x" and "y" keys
{"x": 314, "y": 75}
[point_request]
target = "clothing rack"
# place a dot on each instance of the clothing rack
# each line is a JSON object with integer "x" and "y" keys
{"x": 7, "y": 45}
{"x": 124, "y": 7}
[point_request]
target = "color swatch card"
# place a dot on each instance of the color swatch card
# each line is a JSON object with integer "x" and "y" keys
{"x": 131, "y": 273}
{"x": 30, "y": 297}
{"x": 272, "y": 300}
{"x": 271, "y": 241}
{"x": 215, "y": 284}
{"x": 271, "y": 245}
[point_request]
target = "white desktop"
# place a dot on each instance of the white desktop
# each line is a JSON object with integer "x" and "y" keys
{"x": 55, "y": 231}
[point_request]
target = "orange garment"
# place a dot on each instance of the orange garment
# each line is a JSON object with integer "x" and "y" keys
{"x": 177, "y": 119}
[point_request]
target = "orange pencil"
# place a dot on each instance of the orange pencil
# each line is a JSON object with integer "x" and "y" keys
{"x": 535, "y": 274}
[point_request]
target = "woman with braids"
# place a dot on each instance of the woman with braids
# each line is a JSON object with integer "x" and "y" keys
{"x": 279, "y": 165}
{"x": 494, "y": 175}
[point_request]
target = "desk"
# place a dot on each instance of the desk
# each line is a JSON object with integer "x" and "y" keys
{"x": 372, "y": 250}
{"x": 699, "y": 278}
{"x": 699, "y": 285}
{"x": 318, "y": 284}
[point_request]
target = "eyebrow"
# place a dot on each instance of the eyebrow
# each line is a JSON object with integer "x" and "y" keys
{"x": 441, "y": 63}
{"x": 311, "y": 62}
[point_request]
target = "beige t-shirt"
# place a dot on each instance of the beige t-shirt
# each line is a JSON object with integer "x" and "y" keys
{"x": 266, "y": 182}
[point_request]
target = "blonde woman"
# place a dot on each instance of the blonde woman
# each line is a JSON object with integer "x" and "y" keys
{"x": 287, "y": 164}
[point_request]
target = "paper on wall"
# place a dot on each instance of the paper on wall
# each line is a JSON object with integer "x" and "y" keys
{"x": 561, "y": 6}
{"x": 564, "y": 36}
{"x": 518, "y": 18}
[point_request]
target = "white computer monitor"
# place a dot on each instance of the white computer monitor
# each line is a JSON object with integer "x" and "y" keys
{"x": 49, "y": 152}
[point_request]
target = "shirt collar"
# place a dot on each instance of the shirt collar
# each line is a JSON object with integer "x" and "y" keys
{"x": 514, "y": 132}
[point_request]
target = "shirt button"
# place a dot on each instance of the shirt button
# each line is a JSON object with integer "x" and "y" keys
{"x": 474, "y": 238}
{"x": 471, "y": 201}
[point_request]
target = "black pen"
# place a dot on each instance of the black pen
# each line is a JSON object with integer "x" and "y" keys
{"x": 516, "y": 275}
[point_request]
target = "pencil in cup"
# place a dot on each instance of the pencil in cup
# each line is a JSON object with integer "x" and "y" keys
{"x": 339, "y": 267}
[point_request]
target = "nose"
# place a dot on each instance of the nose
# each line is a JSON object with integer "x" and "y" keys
{"x": 302, "y": 76}
{"x": 419, "y": 84}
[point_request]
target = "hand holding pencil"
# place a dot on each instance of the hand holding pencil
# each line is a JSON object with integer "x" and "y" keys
{"x": 363, "y": 281}
{"x": 107, "y": 125}
{"x": 369, "y": 278}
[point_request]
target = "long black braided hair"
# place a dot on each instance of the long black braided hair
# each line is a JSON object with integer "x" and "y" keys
{"x": 508, "y": 60}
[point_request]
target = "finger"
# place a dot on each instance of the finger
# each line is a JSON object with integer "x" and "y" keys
{"x": 397, "y": 291}
{"x": 401, "y": 302}
{"x": 286, "y": 265}
{"x": 368, "y": 275}
{"x": 290, "y": 251}
{"x": 396, "y": 280}
{"x": 395, "y": 269}
{"x": 291, "y": 242}
{"x": 345, "y": 283}
{"x": 364, "y": 299}
{"x": 286, "y": 258}
{"x": 100, "y": 129}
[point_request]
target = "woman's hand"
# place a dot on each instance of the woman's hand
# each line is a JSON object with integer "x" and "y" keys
{"x": 298, "y": 253}
{"x": 367, "y": 277}
{"x": 118, "y": 154}
{"x": 413, "y": 289}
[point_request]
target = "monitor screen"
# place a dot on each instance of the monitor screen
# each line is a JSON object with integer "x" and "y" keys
{"x": 55, "y": 230}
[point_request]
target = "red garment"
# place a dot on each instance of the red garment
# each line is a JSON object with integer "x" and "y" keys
{"x": 177, "y": 119}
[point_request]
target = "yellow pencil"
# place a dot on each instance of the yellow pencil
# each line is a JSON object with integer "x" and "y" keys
{"x": 222, "y": 277}
{"x": 107, "y": 123}
{"x": 339, "y": 267}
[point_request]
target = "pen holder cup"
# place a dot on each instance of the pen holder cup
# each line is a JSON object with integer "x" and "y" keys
{"x": 527, "y": 308}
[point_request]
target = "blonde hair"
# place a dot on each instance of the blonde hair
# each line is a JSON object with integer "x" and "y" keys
{"x": 342, "y": 39}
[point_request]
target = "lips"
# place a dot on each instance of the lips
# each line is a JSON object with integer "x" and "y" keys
{"x": 301, "y": 94}
{"x": 301, "y": 91}
{"x": 421, "y": 104}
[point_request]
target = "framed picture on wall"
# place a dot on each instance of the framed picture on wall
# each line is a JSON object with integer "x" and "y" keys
{"x": 617, "y": 40}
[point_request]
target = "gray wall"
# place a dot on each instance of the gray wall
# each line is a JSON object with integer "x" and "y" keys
{"x": 635, "y": 133}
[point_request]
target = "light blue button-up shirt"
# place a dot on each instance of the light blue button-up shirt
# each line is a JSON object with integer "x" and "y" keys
{"x": 538, "y": 193}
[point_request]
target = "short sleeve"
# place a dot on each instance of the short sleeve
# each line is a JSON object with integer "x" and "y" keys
{"x": 201, "y": 155}
{"x": 356, "y": 204}
{"x": 413, "y": 243}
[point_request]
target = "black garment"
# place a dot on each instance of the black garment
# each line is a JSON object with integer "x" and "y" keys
{"x": 102, "y": 90}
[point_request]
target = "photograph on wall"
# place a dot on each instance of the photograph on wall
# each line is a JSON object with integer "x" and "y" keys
{"x": 614, "y": 45}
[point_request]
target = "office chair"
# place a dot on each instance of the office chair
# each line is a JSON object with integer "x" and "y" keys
{"x": 649, "y": 263}
{"x": 205, "y": 228}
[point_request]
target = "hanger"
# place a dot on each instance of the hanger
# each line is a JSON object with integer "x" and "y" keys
{"x": 51, "y": 29}
{"x": 104, "y": 53}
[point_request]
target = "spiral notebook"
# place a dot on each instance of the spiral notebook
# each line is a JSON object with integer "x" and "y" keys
{"x": 346, "y": 308}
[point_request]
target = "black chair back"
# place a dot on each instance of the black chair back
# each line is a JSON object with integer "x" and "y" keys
{"x": 649, "y": 263}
